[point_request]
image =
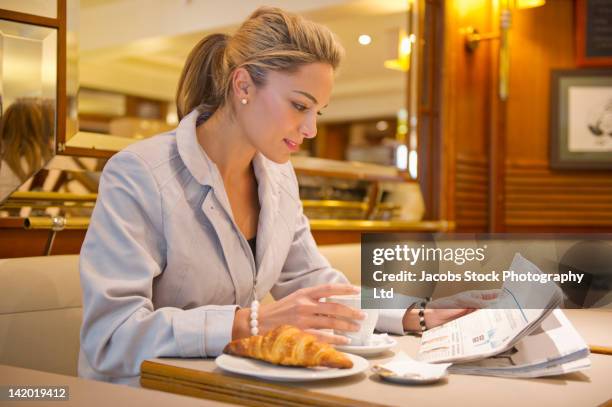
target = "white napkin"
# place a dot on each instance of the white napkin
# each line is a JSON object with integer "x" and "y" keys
{"x": 404, "y": 366}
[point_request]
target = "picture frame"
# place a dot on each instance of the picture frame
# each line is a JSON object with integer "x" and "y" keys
{"x": 592, "y": 36}
{"x": 581, "y": 119}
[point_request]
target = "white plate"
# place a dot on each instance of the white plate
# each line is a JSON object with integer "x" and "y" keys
{"x": 264, "y": 370}
{"x": 378, "y": 344}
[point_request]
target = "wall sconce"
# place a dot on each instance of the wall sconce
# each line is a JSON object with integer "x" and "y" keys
{"x": 473, "y": 38}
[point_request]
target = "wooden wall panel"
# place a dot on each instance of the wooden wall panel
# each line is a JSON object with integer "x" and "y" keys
{"x": 541, "y": 40}
{"x": 428, "y": 126}
{"x": 465, "y": 113}
{"x": 537, "y": 197}
{"x": 495, "y": 157}
{"x": 332, "y": 141}
{"x": 471, "y": 193}
{"x": 17, "y": 242}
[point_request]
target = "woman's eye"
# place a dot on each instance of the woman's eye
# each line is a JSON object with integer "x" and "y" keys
{"x": 299, "y": 107}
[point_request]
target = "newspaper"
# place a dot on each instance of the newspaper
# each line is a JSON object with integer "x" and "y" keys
{"x": 502, "y": 334}
{"x": 552, "y": 349}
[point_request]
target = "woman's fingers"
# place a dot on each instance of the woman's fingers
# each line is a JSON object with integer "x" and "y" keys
{"x": 325, "y": 322}
{"x": 468, "y": 299}
{"x": 471, "y": 302}
{"x": 457, "y": 301}
{"x": 327, "y": 290}
{"x": 329, "y": 337}
{"x": 486, "y": 295}
{"x": 304, "y": 310}
{"x": 338, "y": 310}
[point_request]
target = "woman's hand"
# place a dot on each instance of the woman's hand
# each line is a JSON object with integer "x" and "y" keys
{"x": 446, "y": 309}
{"x": 303, "y": 310}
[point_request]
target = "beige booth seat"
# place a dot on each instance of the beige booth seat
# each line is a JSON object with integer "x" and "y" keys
{"x": 40, "y": 313}
{"x": 41, "y": 308}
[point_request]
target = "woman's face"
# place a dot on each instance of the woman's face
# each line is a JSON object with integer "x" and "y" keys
{"x": 283, "y": 112}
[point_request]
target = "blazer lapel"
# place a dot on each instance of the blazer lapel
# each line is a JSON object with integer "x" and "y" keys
{"x": 268, "y": 191}
{"x": 238, "y": 265}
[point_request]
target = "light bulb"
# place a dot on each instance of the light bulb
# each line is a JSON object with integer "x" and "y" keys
{"x": 365, "y": 39}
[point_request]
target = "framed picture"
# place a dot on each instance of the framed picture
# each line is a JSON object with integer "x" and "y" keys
{"x": 593, "y": 34}
{"x": 581, "y": 119}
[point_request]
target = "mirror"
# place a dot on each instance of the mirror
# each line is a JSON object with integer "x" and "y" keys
{"x": 28, "y": 104}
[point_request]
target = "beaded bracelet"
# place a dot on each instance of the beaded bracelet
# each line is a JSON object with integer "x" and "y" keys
{"x": 254, "y": 313}
{"x": 422, "y": 306}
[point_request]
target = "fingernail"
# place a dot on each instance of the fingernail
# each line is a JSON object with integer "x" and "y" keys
{"x": 363, "y": 315}
{"x": 346, "y": 340}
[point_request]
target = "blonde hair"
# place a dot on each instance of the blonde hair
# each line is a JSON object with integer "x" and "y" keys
{"x": 26, "y": 134}
{"x": 269, "y": 40}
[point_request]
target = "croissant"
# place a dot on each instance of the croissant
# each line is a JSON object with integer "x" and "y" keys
{"x": 289, "y": 346}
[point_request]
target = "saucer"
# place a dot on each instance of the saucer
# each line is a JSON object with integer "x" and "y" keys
{"x": 378, "y": 344}
{"x": 405, "y": 370}
{"x": 406, "y": 379}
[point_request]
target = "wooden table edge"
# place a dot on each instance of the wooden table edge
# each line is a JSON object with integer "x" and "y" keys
{"x": 225, "y": 388}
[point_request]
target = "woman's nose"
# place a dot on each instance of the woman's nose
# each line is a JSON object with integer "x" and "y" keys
{"x": 309, "y": 127}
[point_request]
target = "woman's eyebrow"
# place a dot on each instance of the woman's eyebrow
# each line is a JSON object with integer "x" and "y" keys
{"x": 309, "y": 96}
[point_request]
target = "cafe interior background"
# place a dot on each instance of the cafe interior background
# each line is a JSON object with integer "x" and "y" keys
{"x": 446, "y": 116}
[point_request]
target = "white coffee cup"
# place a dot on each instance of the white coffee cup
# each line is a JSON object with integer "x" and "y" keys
{"x": 367, "y": 325}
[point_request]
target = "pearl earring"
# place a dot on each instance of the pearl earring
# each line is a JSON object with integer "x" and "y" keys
{"x": 244, "y": 101}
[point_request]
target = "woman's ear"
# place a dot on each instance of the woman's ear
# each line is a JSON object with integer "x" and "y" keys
{"x": 242, "y": 85}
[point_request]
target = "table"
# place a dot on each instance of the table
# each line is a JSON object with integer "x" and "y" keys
{"x": 588, "y": 388}
{"x": 91, "y": 393}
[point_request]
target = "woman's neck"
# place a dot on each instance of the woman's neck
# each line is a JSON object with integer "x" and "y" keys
{"x": 226, "y": 145}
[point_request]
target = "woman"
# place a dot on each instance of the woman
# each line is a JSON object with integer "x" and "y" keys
{"x": 193, "y": 226}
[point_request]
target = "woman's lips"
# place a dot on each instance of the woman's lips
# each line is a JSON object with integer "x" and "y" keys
{"x": 292, "y": 145}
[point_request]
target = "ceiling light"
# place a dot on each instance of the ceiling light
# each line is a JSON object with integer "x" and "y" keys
{"x": 365, "y": 39}
{"x": 382, "y": 125}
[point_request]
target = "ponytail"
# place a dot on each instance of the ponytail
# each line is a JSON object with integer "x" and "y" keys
{"x": 202, "y": 82}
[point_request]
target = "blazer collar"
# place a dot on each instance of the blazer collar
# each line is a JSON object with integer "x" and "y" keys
{"x": 201, "y": 167}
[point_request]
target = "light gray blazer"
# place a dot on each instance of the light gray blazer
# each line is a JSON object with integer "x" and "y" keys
{"x": 163, "y": 265}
